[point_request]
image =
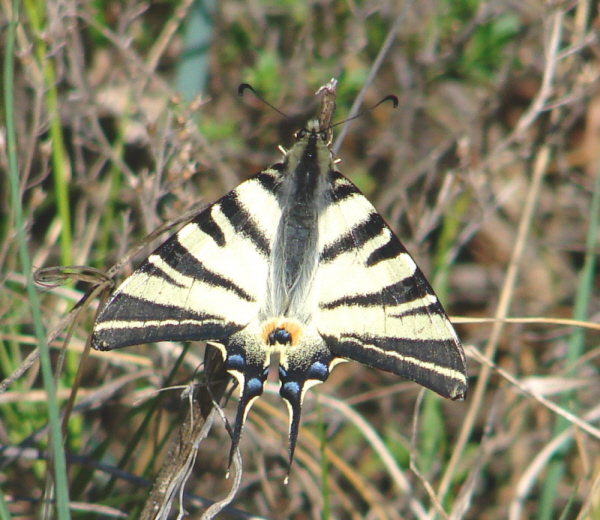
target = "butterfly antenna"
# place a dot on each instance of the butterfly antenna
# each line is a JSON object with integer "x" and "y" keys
{"x": 246, "y": 86}
{"x": 391, "y": 97}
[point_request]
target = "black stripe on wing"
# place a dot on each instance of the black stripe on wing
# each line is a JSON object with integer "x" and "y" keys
{"x": 430, "y": 309}
{"x": 242, "y": 221}
{"x": 182, "y": 260}
{"x": 391, "y": 249}
{"x": 268, "y": 179}
{"x": 134, "y": 321}
{"x": 400, "y": 292}
{"x": 342, "y": 187}
{"x": 238, "y": 216}
{"x": 364, "y": 231}
{"x": 207, "y": 224}
{"x": 151, "y": 269}
{"x": 435, "y": 364}
{"x": 354, "y": 238}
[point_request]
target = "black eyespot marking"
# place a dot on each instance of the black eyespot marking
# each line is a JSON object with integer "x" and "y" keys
{"x": 323, "y": 136}
{"x": 281, "y": 336}
{"x": 301, "y": 133}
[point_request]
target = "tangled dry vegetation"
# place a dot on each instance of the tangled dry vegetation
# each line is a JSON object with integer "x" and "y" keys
{"x": 488, "y": 171}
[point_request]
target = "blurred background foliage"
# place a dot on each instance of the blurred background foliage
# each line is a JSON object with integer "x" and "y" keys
{"x": 126, "y": 115}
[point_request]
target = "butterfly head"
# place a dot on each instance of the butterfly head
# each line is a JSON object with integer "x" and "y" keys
{"x": 311, "y": 149}
{"x": 313, "y": 130}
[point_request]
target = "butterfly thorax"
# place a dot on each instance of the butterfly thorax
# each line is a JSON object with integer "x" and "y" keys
{"x": 302, "y": 197}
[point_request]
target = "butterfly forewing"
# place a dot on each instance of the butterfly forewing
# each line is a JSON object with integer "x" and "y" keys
{"x": 381, "y": 311}
{"x": 204, "y": 283}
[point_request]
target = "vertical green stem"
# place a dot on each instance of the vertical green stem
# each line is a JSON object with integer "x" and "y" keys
{"x": 60, "y": 165}
{"x": 61, "y": 172}
{"x": 60, "y": 469}
{"x": 575, "y": 348}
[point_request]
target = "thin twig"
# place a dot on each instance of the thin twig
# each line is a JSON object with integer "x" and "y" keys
{"x": 372, "y": 73}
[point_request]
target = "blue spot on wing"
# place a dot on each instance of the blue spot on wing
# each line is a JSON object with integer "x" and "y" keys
{"x": 235, "y": 362}
{"x": 318, "y": 371}
{"x": 254, "y": 384}
{"x": 292, "y": 387}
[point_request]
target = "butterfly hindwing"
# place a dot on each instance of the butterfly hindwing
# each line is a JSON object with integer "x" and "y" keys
{"x": 302, "y": 366}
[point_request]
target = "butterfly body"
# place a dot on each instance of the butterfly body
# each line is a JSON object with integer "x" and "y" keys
{"x": 294, "y": 261}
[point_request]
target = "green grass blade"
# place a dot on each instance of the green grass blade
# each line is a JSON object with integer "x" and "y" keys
{"x": 575, "y": 348}
{"x": 61, "y": 172}
{"x": 60, "y": 469}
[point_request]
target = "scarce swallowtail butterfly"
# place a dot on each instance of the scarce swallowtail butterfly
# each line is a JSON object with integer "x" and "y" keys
{"x": 294, "y": 261}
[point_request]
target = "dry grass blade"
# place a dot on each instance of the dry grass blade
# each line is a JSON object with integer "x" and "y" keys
{"x": 539, "y": 463}
{"x": 573, "y": 419}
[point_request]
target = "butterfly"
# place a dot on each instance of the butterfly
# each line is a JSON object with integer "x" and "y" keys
{"x": 295, "y": 261}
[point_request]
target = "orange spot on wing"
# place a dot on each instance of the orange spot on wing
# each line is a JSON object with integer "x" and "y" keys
{"x": 293, "y": 327}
